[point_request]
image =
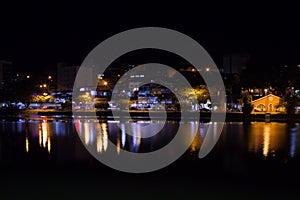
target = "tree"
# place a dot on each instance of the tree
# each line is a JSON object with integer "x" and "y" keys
{"x": 247, "y": 105}
{"x": 42, "y": 98}
{"x": 289, "y": 101}
{"x": 202, "y": 93}
{"x": 84, "y": 98}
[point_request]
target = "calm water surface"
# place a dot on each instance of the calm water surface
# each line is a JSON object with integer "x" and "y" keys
{"x": 266, "y": 155}
{"x": 58, "y": 139}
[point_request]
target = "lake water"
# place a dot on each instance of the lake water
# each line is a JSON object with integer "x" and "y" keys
{"x": 46, "y": 156}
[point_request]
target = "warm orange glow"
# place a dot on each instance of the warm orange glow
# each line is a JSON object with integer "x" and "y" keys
{"x": 267, "y": 138}
{"x": 118, "y": 146}
{"x": 44, "y": 137}
{"x": 266, "y": 143}
{"x": 49, "y": 144}
{"x": 27, "y": 144}
{"x": 102, "y": 139}
{"x": 86, "y": 133}
{"x": 105, "y": 136}
{"x": 99, "y": 143}
{"x": 44, "y": 134}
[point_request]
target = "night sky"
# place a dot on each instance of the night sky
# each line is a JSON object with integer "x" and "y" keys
{"x": 39, "y": 36}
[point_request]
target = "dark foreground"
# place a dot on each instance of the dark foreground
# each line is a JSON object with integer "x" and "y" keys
{"x": 205, "y": 179}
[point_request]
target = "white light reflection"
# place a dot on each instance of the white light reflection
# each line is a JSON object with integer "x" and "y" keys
{"x": 136, "y": 136}
{"x": 123, "y": 135}
{"x": 293, "y": 145}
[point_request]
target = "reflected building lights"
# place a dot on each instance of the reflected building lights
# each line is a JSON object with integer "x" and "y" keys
{"x": 49, "y": 144}
{"x": 27, "y": 144}
{"x": 293, "y": 145}
{"x": 99, "y": 143}
{"x": 136, "y": 136}
{"x": 266, "y": 140}
{"x": 123, "y": 135}
{"x": 44, "y": 136}
{"x": 102, "y": 138}
{"x": 92, "y": 132}
{"x": 118, "y": 144}
{"x": 105, "y": 136}
{"x": 86, "y": 133}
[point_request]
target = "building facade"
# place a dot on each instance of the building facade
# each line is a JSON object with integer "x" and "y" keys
{"x": 266, "y": 104}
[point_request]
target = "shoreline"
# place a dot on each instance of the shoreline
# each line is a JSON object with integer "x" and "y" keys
{"x": 171, "y": 115}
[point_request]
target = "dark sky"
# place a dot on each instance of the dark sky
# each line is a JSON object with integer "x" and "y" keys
{"x": 39, "y": 36}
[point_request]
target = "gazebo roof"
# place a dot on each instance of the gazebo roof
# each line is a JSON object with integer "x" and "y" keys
{"x": 269, "y": 95}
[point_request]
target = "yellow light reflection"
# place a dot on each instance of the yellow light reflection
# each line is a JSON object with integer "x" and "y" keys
{"x": 44, "y": 136}
{"x": 266, "y": 142}
{"x": 267, "y": 138}
{"x": 49, "y": 144}
{"x": 102, "y": 139}
{"x": 105, "y": 136}
{"x": 118, "y": 144}
{"x": 99, "y": 143}
{"x": 27, "y": 144}
{"x": 86, "y": 133}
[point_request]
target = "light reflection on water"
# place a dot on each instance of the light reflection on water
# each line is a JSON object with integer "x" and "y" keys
{"x": 27, "y": 138}
{"x": 269, "y": 139}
